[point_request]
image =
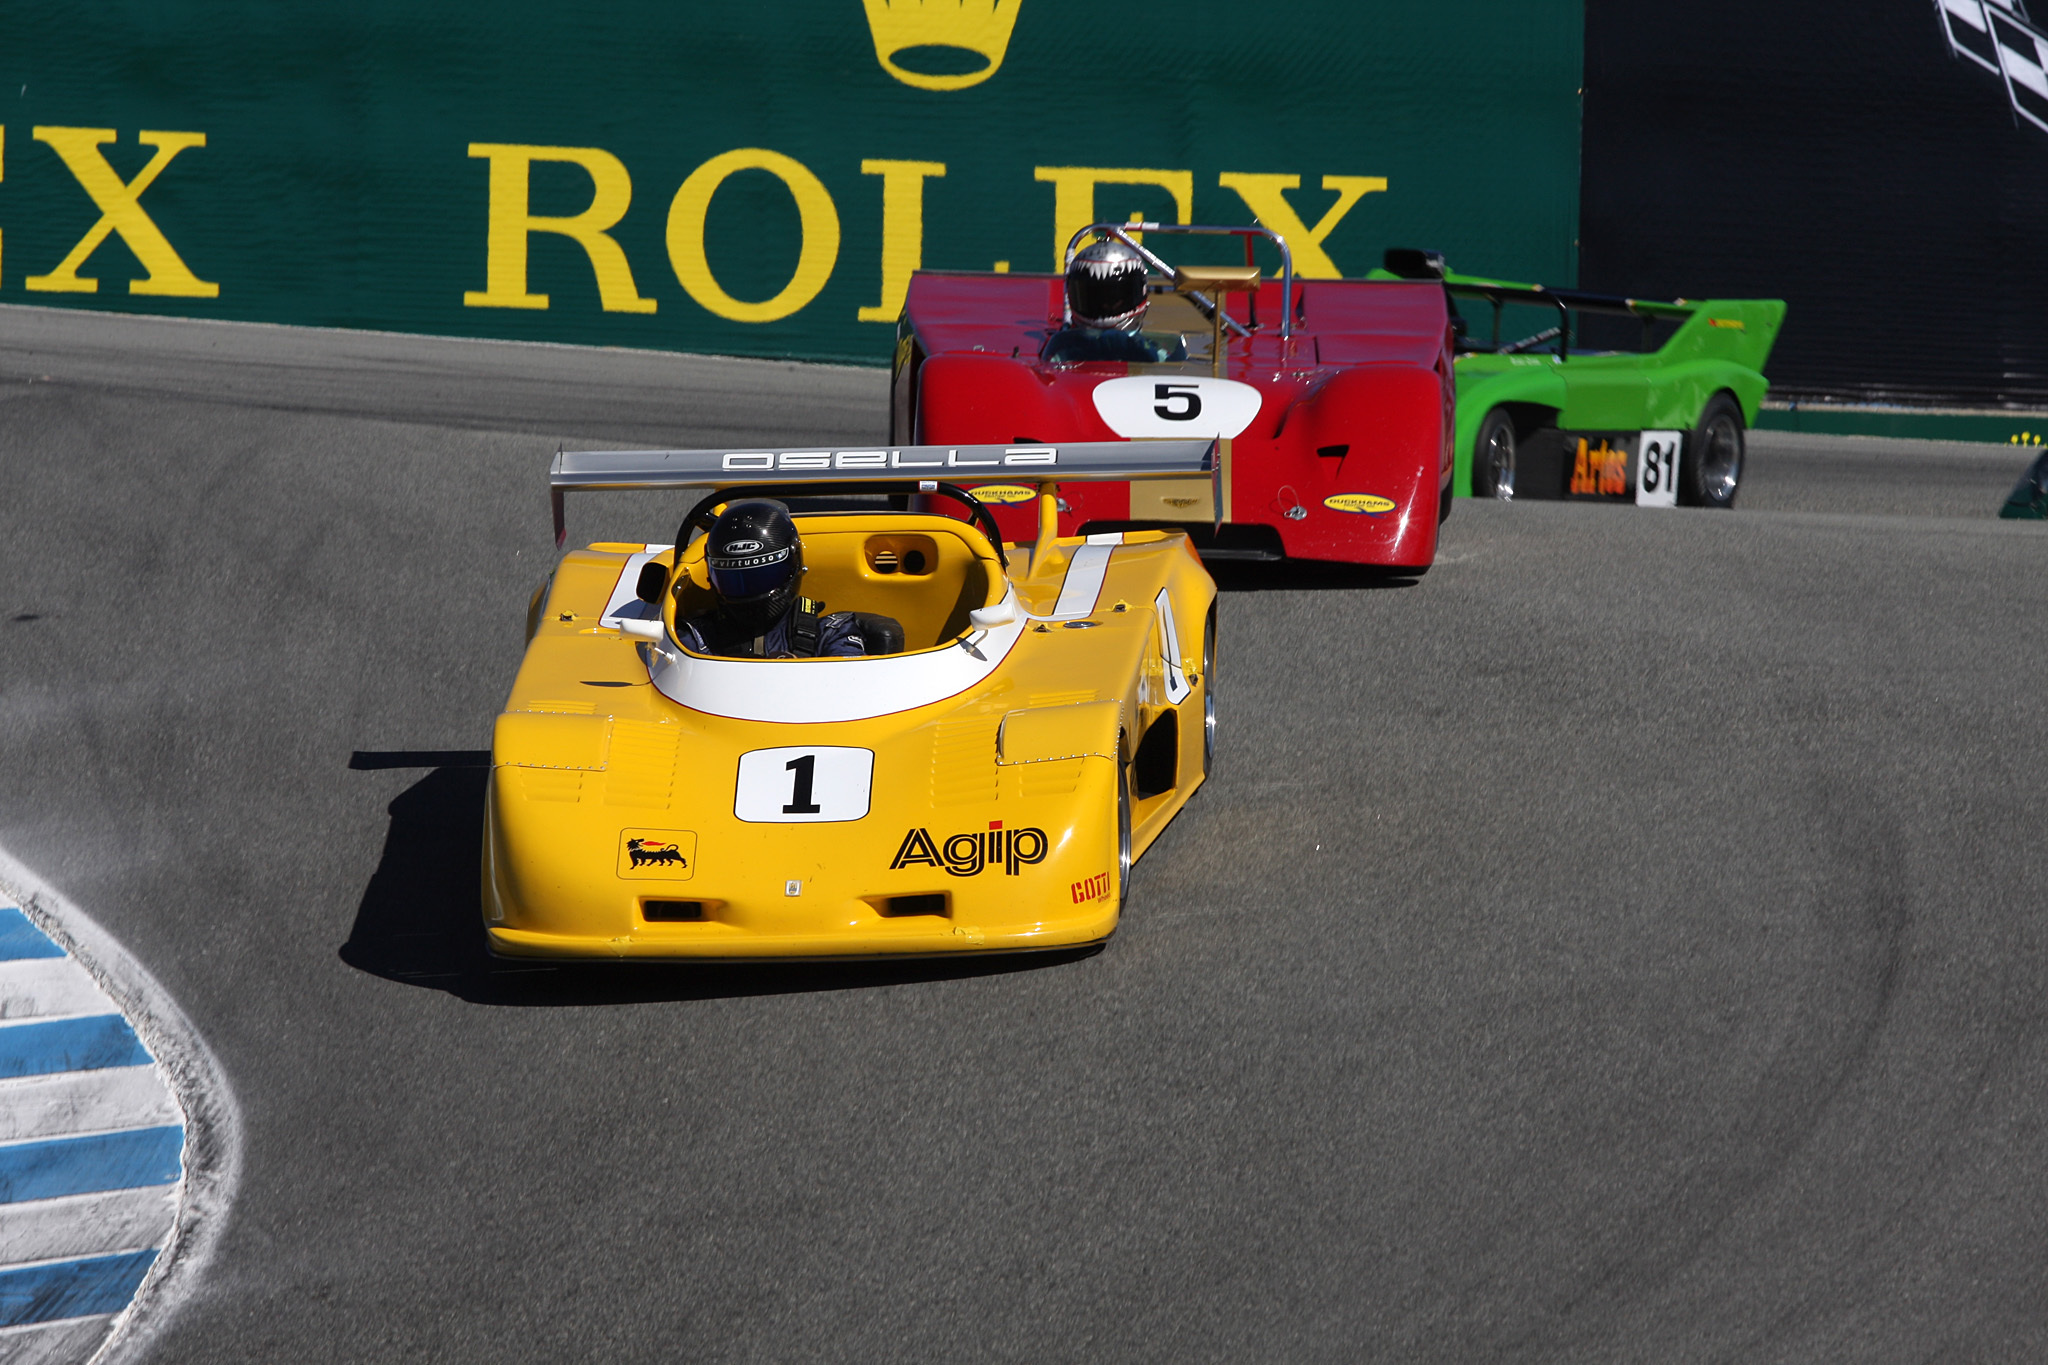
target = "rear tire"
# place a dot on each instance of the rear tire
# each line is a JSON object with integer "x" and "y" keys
{"x": 1712, "y": 468}
{"x": 1493, "y": 457}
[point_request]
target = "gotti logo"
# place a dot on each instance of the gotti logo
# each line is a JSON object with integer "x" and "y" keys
{"x": 964, "y": 855}
{"x": 1096, "y": 888}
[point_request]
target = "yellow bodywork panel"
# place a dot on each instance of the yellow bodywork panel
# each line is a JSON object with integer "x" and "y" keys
{"x": 966, "y": 795}
{"x": 1050, "y": 734}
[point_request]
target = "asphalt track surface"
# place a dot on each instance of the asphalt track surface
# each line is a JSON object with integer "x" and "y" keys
{"x": 1626, "y": 943}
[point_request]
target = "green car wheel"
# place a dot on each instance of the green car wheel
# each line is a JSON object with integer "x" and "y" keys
{"x": 1713, "y": 459}
{"x": 1493, "y": 457}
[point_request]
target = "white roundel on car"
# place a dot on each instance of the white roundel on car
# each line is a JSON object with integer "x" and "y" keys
{"x": 1177, "y": 405}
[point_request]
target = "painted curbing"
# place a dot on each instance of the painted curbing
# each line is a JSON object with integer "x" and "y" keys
{"x": 120, "y": 1140}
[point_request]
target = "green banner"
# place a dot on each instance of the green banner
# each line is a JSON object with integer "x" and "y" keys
{"x": 748, "y": 179}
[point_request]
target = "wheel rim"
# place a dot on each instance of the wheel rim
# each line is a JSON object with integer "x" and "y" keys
{"x": 1720, "y": 458}
{"x": 1209, "y": 699}
{"x": 1500, "y": 461}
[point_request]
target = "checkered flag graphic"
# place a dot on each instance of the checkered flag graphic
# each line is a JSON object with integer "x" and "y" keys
{"x": 1998, "y": 36}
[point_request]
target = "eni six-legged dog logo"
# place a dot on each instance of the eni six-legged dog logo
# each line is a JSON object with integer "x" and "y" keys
{"x": 668, "y": 854}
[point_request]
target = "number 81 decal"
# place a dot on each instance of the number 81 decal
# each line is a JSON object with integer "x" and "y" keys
{"x": 804, "y": 785}
{"x": 1657, "y": 468}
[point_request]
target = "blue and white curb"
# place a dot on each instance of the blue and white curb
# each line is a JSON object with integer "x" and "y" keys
{"x": 119, "y": 1140}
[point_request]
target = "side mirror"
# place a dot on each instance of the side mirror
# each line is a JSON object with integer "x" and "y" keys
{"x": 653, "y": 582}
{"x": 642, "y": 630}
{"x": 1001, "y": 614}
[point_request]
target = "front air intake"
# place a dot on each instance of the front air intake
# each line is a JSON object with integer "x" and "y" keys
{"x": 664, "y": 912}
{"x": 933, "y": 904}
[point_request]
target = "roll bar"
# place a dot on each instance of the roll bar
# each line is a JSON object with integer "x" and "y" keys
{"x": 1122, "y": 233}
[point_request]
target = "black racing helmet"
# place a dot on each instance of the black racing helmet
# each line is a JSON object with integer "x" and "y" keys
{"x": 755, "y": 561}
{"x": 1106, "y": 285}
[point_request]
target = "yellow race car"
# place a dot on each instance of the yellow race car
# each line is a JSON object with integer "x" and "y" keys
{"x": 984, "y": 789}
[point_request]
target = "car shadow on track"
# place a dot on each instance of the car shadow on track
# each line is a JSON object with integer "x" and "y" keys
{"x": 1295, "y": 575}
{"x": 420, "y": 921}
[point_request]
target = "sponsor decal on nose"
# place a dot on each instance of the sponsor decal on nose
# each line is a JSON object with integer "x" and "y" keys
{"x": 1095, "y": 888}
{"x": 972, "y": 852}
{"x": 1004, "y": 493}
{"x": 1370, "y": 504}
{"x": 668, "y": 854}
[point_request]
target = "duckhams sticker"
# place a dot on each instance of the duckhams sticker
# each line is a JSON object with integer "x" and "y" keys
{"x": 1371, "y": 504}
{"x": 1003, "y": 493}
{"x": 964, "y": 855}
{"x": 667, "y": 854}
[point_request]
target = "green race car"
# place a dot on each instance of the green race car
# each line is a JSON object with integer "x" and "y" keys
{"x": 1565, "y": 394}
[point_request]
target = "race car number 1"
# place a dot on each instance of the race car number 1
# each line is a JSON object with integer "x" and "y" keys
{"x": 1657, "y": 469}
{"x": 806, "y": 785}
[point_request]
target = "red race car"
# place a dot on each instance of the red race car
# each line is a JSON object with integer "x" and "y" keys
{"x": 1332, "y": 399}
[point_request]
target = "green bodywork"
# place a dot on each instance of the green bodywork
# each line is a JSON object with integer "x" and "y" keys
{"x": 1719, "y": 346}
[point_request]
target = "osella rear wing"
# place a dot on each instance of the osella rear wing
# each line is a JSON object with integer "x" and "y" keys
{"x": 907, "y": 469}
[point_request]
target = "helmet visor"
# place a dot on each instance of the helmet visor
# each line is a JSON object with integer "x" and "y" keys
{"x": 737, "y": 577}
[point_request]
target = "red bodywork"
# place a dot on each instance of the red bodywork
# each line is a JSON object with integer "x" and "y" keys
{"x": 1359, "y": 400}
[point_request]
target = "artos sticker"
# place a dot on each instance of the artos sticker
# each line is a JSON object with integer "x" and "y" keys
{"x": 1601, "y": 470}
{"x": 669, "y": 855}
{"x": 1096, "y": 888}
{"x": 1371, "y": 504}
{"x": 964, "y": 855}
{"x": 1003, "y": 493}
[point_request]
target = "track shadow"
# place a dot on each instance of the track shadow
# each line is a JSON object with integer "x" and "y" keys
{"x": 420, "y": 921}
{"x": 1294, "y": 575}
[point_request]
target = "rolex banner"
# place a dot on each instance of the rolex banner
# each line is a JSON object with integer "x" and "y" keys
{"x": 751, "y": 178}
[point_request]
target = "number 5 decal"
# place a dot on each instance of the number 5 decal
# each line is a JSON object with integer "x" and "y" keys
{"x": 805, "y": 785}
{"x": 1137, "y": 406}
{"x": 1177, "y": 402}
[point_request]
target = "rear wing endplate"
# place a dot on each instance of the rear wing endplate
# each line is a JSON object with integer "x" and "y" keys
{"x": 903, "y": 467}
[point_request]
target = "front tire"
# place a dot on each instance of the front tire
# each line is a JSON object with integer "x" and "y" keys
{"x": 1714, "y": 450}
{"x": 1209, "y": 697}
{"x": 1123, "y": 838}
{"x": 1493, "y": 457}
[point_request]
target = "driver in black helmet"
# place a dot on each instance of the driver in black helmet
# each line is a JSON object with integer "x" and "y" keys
{"x": 1106, "y": 299}
{"x": 756, "y": 563}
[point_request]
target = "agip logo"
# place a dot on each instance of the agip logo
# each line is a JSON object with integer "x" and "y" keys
{"x": 968, "y": 853}
{"x": 971, "y": 35}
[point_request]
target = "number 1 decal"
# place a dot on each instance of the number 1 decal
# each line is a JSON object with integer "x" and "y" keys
{"x": 805, "y": 767}
{"x": 1657, "y": 468}
{"x": 804, "y": 785}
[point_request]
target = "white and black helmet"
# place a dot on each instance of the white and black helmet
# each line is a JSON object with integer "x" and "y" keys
{"x": 1106, "y": 285}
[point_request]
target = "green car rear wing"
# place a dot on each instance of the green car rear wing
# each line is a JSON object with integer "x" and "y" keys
{"x": 1746, "y": 328}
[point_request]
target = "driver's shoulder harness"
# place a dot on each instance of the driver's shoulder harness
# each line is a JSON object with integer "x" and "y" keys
{"x": 803, "y": 631}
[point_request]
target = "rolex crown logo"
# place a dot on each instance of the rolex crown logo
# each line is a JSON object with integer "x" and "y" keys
{"x": 939, "y": 37}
